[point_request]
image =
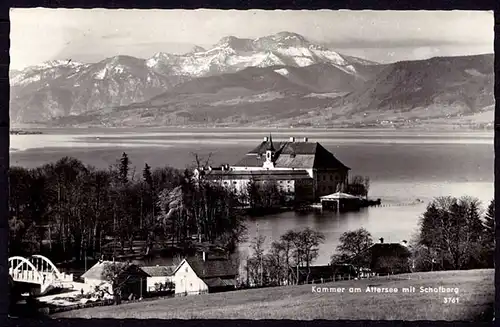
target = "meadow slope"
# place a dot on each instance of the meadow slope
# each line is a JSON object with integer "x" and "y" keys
{"x": 476, "y": 298}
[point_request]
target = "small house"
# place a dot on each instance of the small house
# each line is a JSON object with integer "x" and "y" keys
{"x": 198, "y": 276}
{"x": 161, "y": 277}
{"x": 132, "y": 279}
{"x": 385, "y": 258}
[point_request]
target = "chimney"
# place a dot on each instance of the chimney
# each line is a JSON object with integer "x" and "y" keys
{"x": 381, "y": 240}
{"x": 266, "y": 138}
{"x": 404, "y": 242}
{"x": 292, "y": 139}
{"x": 222, "y": 167}
{"x": 204, "y": 256}
{"x": 305, "y": 139}
{"x": 209, "y": 168}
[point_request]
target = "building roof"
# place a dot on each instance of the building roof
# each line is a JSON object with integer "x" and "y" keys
{"x": 212, "y": 268}
{"x": 259, "y": 175}
{"x": 219, "y": 282}
{"x": 293, "y": 155}
{"x": 389, "y": 249}
{"x": 383, "y": 250}
{"x": 338, "y": 195}
{"x": 159, "y": 271}
{"x": 97, "y": 270}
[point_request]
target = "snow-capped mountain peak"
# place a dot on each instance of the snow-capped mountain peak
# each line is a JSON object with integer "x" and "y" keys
{"x": 232, "y": 53}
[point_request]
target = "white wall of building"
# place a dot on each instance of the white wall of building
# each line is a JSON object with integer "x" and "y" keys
{"x": 92, "y": 283}
{"x": 187, "y": 282}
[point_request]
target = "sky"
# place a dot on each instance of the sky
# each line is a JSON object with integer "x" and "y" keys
{"x": 90, "y": 35}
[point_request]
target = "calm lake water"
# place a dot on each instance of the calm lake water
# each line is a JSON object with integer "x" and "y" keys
{"x": 403, "y": 166}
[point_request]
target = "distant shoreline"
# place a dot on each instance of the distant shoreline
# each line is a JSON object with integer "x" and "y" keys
{"x": 23, "y": 132}
{"x": 421, "y": 128}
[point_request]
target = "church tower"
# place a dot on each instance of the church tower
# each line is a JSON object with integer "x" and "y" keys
{"x": 270, "y": 151}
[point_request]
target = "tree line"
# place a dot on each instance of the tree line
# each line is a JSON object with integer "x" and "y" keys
{"x": 67, "y": 209}
{"x": 453, "y": 234}
{"x": 280, "y": 265}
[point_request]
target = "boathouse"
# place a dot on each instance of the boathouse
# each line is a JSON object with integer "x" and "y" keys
{"x": 340, "y": 202}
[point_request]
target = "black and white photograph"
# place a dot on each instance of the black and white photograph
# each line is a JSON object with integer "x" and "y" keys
{"x": 251, "y": 164}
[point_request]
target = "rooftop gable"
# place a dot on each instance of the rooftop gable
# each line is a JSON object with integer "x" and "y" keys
{"x": 293, "y": 155}
{"x": 211, "y": 268}
{"x": 97, "y": 270}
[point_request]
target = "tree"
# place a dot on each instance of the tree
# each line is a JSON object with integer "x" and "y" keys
{"x": 124, "y": 168}
{"x": 451, "y": 233}
{"x": 358, "y": 185}
{"x": 489, "y": 234}
{"x": 354, "y": 242}
{"x": 115, "y": 274}
{"x": 276, "y": 263}
{"x": 489, "y": 225}
{"x": 258, "y": 256}
{"x": 287, "y": 241}
{"x": 147, "y": 176}
{"x": 309, "y": 241}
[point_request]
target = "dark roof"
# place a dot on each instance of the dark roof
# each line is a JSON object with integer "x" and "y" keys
{"x": 389, "y": 249}
{"x": 259, "y": 175}
{"x": 219, "y": 282}
{"x": 382, "y": 250}
{"x": 97, "y": 270}
{"x": 293, "y": 155}
{"x": 270, "y": 145}
{"x": 159, "y": 271}
{"x": 213, "y": 268}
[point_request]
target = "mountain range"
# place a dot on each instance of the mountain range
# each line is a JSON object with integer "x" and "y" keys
{"x": 281, "y": 79}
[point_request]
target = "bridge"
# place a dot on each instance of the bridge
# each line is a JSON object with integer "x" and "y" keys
{"x": 39, "y": 271}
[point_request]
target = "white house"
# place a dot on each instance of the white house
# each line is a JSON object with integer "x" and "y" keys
{"x": 198, "y": 276}
{"x": 131, "y": 277}
{"x": 160, "y": 276}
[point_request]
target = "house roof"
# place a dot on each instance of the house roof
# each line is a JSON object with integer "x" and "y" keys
{"x": 97, "y": 270}
{"x": 219, "y": 282}
{"x": 211, "y": 268}
{"x": 159, "y": 271}
{"x": 383, "y": 250}
{"x": 260, "y": 174}
{"x": 389, "y": 249}
{"x": 293, "y": 155}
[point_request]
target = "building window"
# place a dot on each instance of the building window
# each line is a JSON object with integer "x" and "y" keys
{"x": 234, "y": 183}
{"x": 289, "y": 182}
{"x": 186, "y": 269}
{"x": 225, "y": 183}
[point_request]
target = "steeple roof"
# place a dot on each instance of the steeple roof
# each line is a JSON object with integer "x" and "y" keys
{"x": 270, "y": 145}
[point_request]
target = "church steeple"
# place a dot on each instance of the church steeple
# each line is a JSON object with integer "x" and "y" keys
{"x": 270, "y": 150}
{"x": 270, "y": 145}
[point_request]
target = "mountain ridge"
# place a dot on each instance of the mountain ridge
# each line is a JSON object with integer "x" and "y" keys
{"x": 279, "y": 79}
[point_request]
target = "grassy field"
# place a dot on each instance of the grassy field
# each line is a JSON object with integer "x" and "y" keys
{"x": 475, "y": 301}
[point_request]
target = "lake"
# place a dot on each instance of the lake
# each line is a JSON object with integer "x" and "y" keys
{"x": 402, "y": 165}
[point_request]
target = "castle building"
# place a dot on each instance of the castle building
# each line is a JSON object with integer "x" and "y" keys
{"x": 301, "y": 169}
